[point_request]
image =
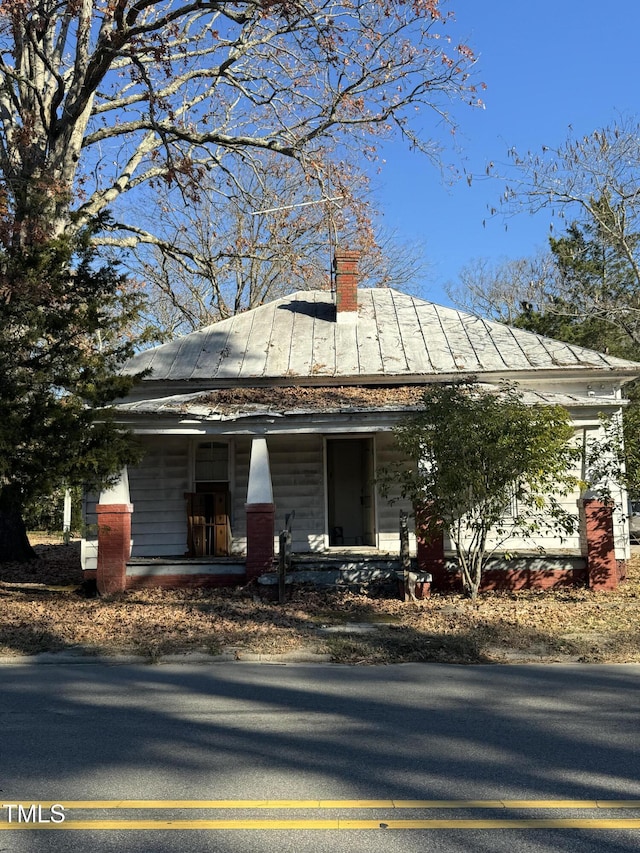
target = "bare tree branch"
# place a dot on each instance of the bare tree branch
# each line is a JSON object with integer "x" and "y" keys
{"x": 99, "y": 99}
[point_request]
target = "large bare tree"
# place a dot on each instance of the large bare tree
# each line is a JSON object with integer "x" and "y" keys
{"x": 591, "y": 185}
{"x": 257, "y": 235}
{"x": 586, "y": 289}
{"x": 102, "y": 98}
{"x": 502, "y": 290}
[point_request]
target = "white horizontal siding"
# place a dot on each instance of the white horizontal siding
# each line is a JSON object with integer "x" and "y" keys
{"x": 297, "y": 473}
{"x": 157, "y": 486}
{"x": 89, "y": 554}
{"x": 151, "y": 513}
{"x": 387, "y": 455}
{"x": 239, "y": 485}
{"x": 388, "y": 514}
{"x": 545, "y": 538}
{"x": 297, "y": 466}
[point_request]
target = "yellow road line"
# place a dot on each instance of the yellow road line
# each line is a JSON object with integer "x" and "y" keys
{"x": 331, "y": 804}
{"x": 164, "y": 825}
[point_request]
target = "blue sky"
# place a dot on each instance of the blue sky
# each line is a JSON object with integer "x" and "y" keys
{"x": 548, "y": 65}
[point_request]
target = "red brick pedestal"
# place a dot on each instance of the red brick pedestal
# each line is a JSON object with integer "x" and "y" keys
{"x": 260, "y": 537}
{"x": 430, "y": 558}
{"x": 601, "y": 558}
{"x": 430, "y": 551}
{"x": 114, "y": 546}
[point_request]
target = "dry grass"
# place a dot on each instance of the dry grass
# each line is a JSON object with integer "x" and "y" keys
{"x": 43, "y": 609}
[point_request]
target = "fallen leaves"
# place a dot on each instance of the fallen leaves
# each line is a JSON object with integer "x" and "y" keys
{"x": 44, "y": 610}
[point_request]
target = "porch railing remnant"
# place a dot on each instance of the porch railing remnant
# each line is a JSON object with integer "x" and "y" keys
{"x": 405, "y": 558}
{"x": 413, "y": 584}
{"x": 284, "y": 555}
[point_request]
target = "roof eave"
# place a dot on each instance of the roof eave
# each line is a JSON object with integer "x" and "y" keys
{"x": 150, "y": 388}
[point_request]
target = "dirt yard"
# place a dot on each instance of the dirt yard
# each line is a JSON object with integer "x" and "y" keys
{"x": 44, "y": 609}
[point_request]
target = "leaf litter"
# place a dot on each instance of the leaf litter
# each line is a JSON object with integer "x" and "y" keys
{"x": 43, "y": 609}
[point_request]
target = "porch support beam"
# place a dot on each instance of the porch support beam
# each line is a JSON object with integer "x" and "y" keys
{"x": 602, "y": 565}
{"x": 114, "y": 512}
{"x": 430, "y": 547}
{"x": 261, "y": 511}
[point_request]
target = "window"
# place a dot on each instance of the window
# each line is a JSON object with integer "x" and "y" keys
{"x": 212, "y": 462}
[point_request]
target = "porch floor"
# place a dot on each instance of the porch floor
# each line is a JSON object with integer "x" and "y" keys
{"x": 180, "y": 558}
{"x": 181, "y": 565}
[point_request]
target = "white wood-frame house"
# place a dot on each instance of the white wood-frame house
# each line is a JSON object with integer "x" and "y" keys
{"x": 314, "y": 383}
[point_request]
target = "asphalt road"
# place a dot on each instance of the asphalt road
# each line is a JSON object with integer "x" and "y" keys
{"x": 322, "y": 758}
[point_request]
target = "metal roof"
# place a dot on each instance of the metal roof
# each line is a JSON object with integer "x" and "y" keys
{"x": 395, "y": 335}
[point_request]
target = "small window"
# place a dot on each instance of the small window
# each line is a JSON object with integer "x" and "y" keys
{"x": 512, "y": 510}
{"x": 212, "y": 462}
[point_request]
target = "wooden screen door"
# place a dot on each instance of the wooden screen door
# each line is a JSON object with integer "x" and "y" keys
{"x": 209, "y": 531}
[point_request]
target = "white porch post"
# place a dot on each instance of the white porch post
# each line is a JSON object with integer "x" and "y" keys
{"x": 118, "y": 492}
{"x": 66, "y": 512}
{"x": 114, "y": 512}
{"x": 260, "y": 511}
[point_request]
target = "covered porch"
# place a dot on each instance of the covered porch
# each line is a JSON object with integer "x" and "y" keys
{"x": 197, "y": 505}
{"x": 206, "y": 511}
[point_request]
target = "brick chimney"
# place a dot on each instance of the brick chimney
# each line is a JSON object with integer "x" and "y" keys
{"x": 345, "y": 265}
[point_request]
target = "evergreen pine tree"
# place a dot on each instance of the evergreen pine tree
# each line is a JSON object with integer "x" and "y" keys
{"x": 63, "y": 318}
{"x": 598, "y": 307}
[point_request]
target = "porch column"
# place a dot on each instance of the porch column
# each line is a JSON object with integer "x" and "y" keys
{"x": 114, "y": 512}
{"x": 430, "y": 548}
{"x": 66, "y": 513}
{"x": 261, "y": 512}
{"x": 601, "y": 556}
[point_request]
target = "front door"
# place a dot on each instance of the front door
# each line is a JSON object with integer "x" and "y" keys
{"x": 350, "y": 484}
{"x": 208, "y": 507}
